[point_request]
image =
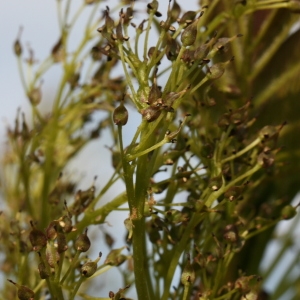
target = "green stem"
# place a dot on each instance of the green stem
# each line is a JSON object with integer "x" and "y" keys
{"x": 177, "y": 251}
{"x": 71, "y": 267}
{"x": 74, "y": 292}
{"x": 240, "y": 153}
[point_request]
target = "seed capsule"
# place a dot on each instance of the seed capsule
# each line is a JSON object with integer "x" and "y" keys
{"x": 82, "y": 243}
{"x": 288, "y": 212}
{"x": 188, "y": 275}
{"x": 115, "y": 258}
{"x": 43, "y": 271}
{"x": 120, "y": 115}
{"x": 37, "y": 238}
{"x": 189, "y": 35}
{"x": 24, "y": 293}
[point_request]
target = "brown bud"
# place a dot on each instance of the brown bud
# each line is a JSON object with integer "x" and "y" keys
{"x": 58, "y": 52}
{"x": 128, "y": 15}
{"x": 17, "y": 45}
{"x": 43, "y": 271}
{"x": 51, "y": 232}
{"x": 24, "y": 293}
{"x": 37, "y": 238}
{"x": 61, "y": 242}
{"x": 82, "y": 243}
{"x": 151, "y": 113}
{"x": 35, "y": 95}
{"x": 120, "y": 115}
{"x": 294, "y": 6}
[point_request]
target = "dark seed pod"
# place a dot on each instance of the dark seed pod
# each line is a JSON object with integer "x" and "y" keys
{"x": 128, "y": 16}
{"x": 120, "y": 115}
{"x": 62, "y": 244}
{"x": 51, "y": 232}
{"x": 153, "y": 5}
{"x": 151, "y": 113}
{"x": 58, "y": 52}
{"x": 43, "y": 271}
{"x": 24, "y": 293}
{"x": 119, "y": 31}
{"x": 17, "y": 45}
{"x": 37, "y": 238}
{"x": 82, "y": 243}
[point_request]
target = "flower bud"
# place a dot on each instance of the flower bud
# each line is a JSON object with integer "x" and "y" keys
{"x": 24, "y": 293}
{"x": 120, "y": 115}
{"x": 288, "y": 212}
{"x": 83, "y": 243}
{"x": 37, "y": 238}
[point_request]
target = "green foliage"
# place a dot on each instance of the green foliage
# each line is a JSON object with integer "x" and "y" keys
{"x": 205, "y": 176}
